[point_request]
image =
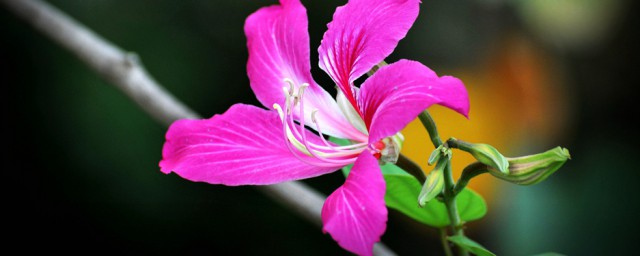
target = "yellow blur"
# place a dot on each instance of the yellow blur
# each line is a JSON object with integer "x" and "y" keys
{"x": 517, "y": 105}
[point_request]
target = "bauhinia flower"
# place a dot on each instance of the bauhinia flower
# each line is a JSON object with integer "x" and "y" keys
{"x": 249, "y": 145}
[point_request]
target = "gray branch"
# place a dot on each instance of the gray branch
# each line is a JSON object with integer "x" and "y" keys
{"x": 125, "y": 71}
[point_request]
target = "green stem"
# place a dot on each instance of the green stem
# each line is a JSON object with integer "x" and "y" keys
{"x": 430, "y": 125}
{"x": 449, "y": 196}
{"x": 411, "y": 167}
{"x": 452, "y": 208}
{"x": 456, "y": 143}
{"x": 469, "y": 173}
{"x": 445, "y": 242}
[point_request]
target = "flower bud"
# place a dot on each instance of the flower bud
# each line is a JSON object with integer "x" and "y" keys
{"x": 433, "y": 185}
{"x": 439, "y": 152}
{"x": 531, "y": 169}
{"x": 435, "y": 155}
{"x": 484, "y": 153}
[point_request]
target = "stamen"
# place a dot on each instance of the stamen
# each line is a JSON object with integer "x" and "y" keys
{"x": 304, "y": 134}
{"x": 340, "y": 151}
{"x": 325, "y": 155}
{"x": 291, "y": 85}
{"x": 315, "y": 121}
{"x": 328, "y": 145}
{"x": 287, "y": 133}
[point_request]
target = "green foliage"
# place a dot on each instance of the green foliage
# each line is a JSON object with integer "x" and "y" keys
{"x": 470, "y": 245}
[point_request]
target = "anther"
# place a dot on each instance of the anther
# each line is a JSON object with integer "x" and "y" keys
{"x": 313, "y": 116}
{"x": 277, "y": 107}
{"x": 291, "y": 85}
{"x": 301, "y": 89}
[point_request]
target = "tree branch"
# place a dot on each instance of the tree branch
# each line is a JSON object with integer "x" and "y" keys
{"x": 125, "y": 71}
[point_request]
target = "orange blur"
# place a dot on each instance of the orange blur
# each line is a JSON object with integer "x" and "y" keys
{"x": 517, "y": 105}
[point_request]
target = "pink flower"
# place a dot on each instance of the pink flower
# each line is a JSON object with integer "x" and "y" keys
{"x": 248, "y": 145}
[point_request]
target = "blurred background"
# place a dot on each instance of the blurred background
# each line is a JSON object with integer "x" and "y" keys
{"x": 81, "y": 162}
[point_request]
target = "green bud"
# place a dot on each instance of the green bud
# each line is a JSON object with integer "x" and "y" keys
{"x": 484, "y": 153}
{"x": 433, "y": 185}
{"x": 435, "y": 155}
{"x": 438, "y": 152}
{"x": 531, "y": 169}
{"x": 448, "y": 153}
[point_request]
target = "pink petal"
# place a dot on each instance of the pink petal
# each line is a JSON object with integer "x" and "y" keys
{"x": 278, "y": 43}
{"x": 361, "y": 35}
{"x": 355, "y": 214}
{"x": 243, "y": 146}
{"x": 397, "y": 93}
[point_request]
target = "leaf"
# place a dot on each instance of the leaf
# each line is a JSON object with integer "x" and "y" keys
{"x": 470, "y": 245}
{"x": 471, "y": 205}
{"x": 402, "y": 195}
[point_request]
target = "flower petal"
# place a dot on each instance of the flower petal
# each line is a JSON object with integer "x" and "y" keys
{"x": 243, "y": 146}
{"x": 361, "y": 35}
{"x": 355, "y": 214}
{"x": 278, "y": 44}
{"x": 397, "y": 93}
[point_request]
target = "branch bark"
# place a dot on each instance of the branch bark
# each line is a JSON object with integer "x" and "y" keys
{"x": 125, "y": 71}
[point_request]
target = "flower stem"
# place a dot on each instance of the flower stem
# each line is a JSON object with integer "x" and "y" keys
{"x": 430, "y": 125}
{"x": 445, "y": 242}
{"x": 411, "y": 167}
{"x": 449, "y": 195}
{"x": 469, "y": 173}
{"x": 452, "y": 208}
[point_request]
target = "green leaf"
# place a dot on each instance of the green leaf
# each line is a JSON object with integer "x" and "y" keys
{"x": 470, "y": 245}
{"x": 339, "y": 141}
{"x": 402, "y": 194}
{"x": 471, "y": 205}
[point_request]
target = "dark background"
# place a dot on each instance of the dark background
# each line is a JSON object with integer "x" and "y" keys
{"x": 81, "y": 159}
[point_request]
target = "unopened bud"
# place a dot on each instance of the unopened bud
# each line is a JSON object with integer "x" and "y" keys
{"x": 484, "y": 153}
{"x": 433, "y": 185}
{"x": 435, "y": 155}
{"x": 439, "y": 152}
{"x": 531, "y": 169}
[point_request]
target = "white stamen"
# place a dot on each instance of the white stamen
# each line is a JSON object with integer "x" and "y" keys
{"x": 322, "y": 155}
{"x": 291, "y": 85}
